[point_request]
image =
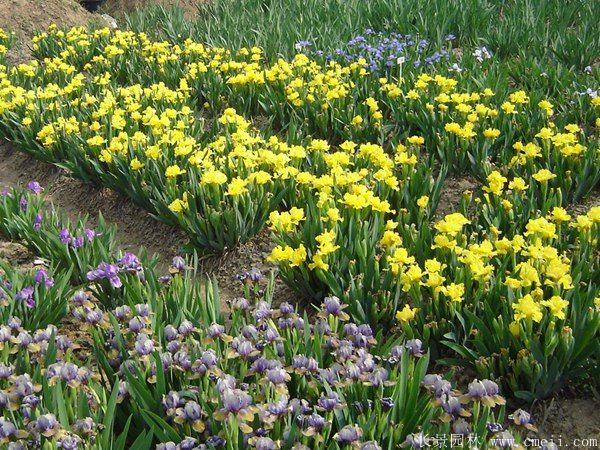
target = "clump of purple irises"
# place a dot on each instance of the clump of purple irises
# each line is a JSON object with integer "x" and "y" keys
{"x": 128, "y": 264}
{"x": 269, "y": 369}
{"x": 26, "y": 294}
{"x": 28, "y": 417}
{"x": 66, "y": 237}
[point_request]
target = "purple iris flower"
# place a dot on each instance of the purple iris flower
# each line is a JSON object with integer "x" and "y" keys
{"x": 79, "y": 298}
{"x": 332, "y": 305}
{"x": 69, "y": 442}
{"x": 235, "y": 400}
{"x": 78, "y": 242}
{"x": 265, "y": 443}
{"x": 414, "y": 347}
{"x": 316, "y": 421}
{"x": 7, "y": 429}
{"x": 6, "y": 371}
{"x": 494, "y": 427}
{"x": 186, "y": 327}
{"x": 189, "y": 444}
{"x": 144, "y": 346}
{"x": 26, "y": 295}
{"x": 370, "y": 445}
{"x": 37, "y": 222}
{"x": 136, "y": 325}
{"x": 215, "y": 330}
{"x": 461, "y": 426}
{"x": 255, "y": 275}
{"x": 130, "y": 262}
{"x": 42, "y": 275}
{"x": 416, "y": 440}
{"x": 329, "y": 401}
{"x": 143, "y": 310}
{"x": 46, "y": 423}
{"x": 209, "y": 358}
{"x": 167, "y": 446}
{"x": 348, "y": 434}
{"x": 521, "y": 417}
{"x": 65, "y": 236}
{"x": 106, "y": 271}
{"x": 277, "y": 376}
{"x": 84, "y": 426}
{"x": 262, "y": 311}
{"x": 63, "y": 343}
{"x": 170, "y": 333}
{"x": 301, "y": 45}
{"x": 34, "y": 187}
{"x": 215, "y": 441}
{"x": 178, "y": 263}
{"x": 192, "y": 411}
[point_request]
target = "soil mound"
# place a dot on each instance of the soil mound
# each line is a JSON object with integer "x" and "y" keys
{"x": 117, "y": 8}
{"x": 28, "y": 17}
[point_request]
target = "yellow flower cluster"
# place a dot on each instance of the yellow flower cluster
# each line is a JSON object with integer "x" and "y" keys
{"x": 293, "y": 257}
{"x": 539, "y": 267}
{"x": 286, "y": 221}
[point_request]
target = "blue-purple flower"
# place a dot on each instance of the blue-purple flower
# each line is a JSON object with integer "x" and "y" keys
{"x": 349, "y": 434}
{"x": 106, "y": 271}
{"x": 26, "y": 295}
{"x": 35, "y": 187}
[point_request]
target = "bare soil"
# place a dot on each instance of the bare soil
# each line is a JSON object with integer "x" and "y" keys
{"x": 28, "y": 17}
{"x": 566, "y": 419}
{"x": 14, "y": 253}
{"x": 452, "y": 191}
{"x": 117, "y": 8}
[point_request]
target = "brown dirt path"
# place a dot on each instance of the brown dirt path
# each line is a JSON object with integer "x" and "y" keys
{"x": 135, "y": 227}
{"x": 570, "y": 422}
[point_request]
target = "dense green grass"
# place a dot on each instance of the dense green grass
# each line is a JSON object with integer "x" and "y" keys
{"x": 564, "y": 31}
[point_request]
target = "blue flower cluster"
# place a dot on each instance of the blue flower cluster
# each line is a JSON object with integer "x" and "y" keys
{"x": 384, "y": 51}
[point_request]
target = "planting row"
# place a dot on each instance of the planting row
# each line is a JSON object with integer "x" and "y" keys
{"x": 161, "y": 362}
{"x": 220, "y": 182}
